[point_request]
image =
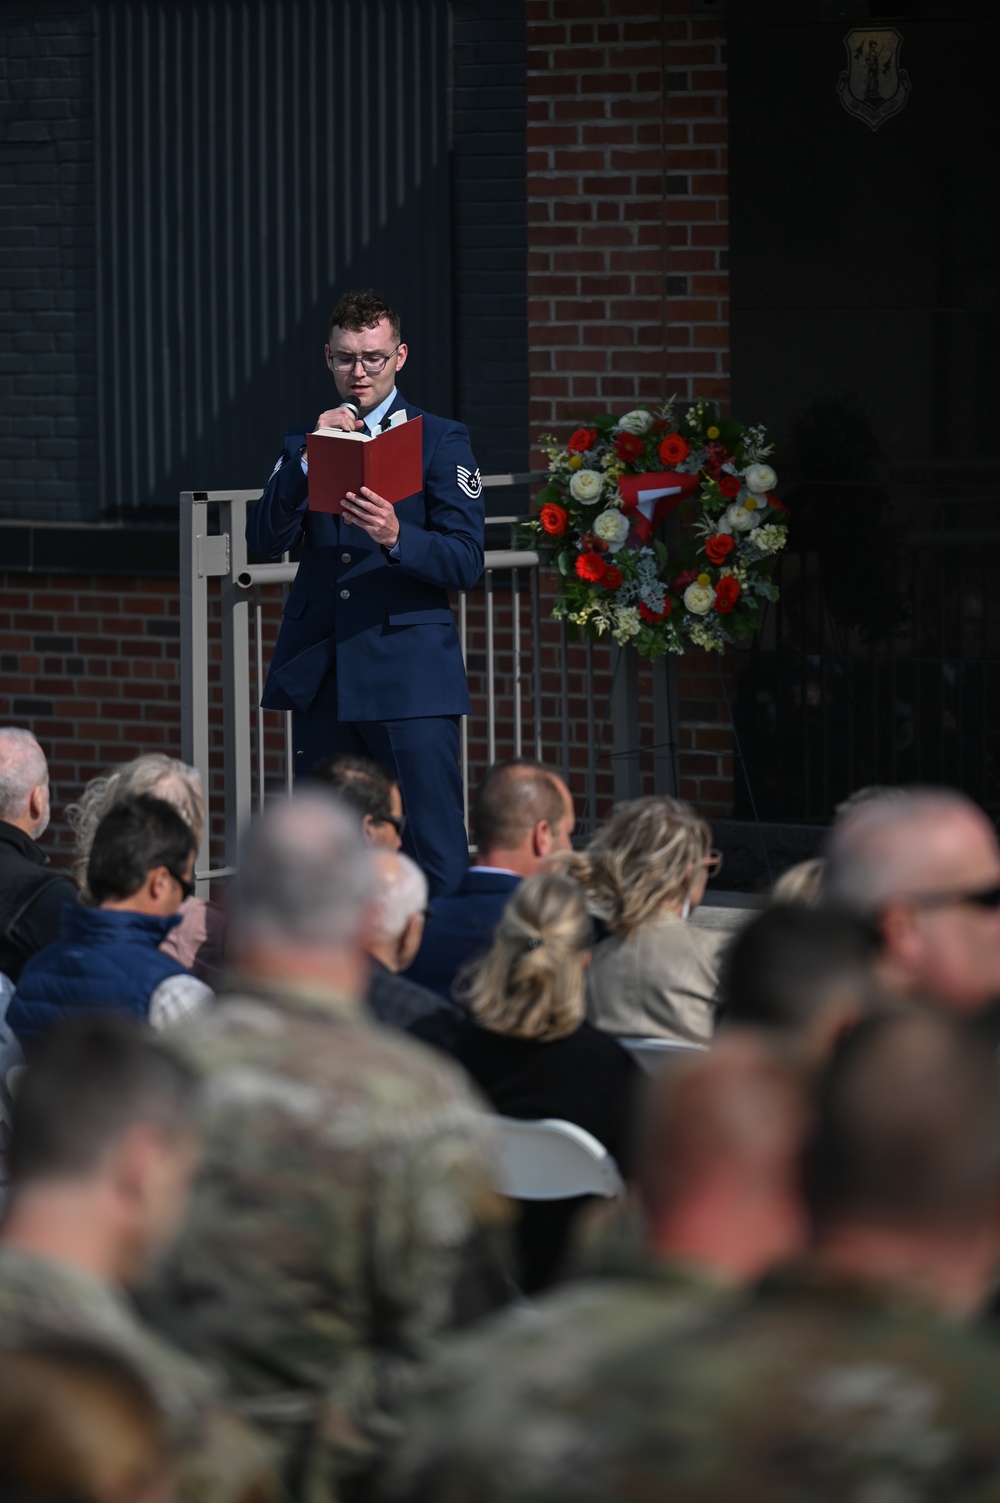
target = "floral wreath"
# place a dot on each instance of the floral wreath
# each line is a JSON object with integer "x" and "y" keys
{"x": 606, "y": 493}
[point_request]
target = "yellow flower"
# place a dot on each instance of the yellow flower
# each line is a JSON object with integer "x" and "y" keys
{"x": 575, "y": 461}
{"x": 704, "y": 579}
{"x": 712, "y": 432}
{"x": 750, "y": 504}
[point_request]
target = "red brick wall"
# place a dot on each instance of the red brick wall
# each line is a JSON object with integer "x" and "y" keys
{"x": 627, "y": 269}
{"x": 90, "y": 665}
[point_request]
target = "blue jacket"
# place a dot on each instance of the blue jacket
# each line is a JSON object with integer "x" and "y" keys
{"x": 104, "y": 961}
{"x": 460, "y": 928}
{"x": 382, "y": 626}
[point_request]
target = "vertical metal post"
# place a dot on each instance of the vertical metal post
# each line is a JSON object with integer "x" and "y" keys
{"x": 591, "y": 741}
{"x": 491, "y": 708}
{"x": 258, "y": 625}
{"x": 625, "y": 726}
{"x": 536, "y": 661}
{"x": 666, "y": 719}
{"x": 194, "y": 655}
{"x": 515, "y": 610}
{"x": 236, "y": 679}
{"x": 564, "y": 700}
{"x": 463, "y": 636}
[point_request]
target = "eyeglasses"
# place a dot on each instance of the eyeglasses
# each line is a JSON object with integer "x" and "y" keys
{"x": 185, "y": 884}
{"x": 986, "y": 897}
{"x": 398, "y": 822}
{"x": 713, "y": 862}
{"x": 373, "y": 364}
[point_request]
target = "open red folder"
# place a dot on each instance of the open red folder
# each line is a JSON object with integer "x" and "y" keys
{"x": 390, "y": 464}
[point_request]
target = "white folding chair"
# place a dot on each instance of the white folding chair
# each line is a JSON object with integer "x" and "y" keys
{"x": 551, "y": 1160}
{"x": 652, "y": 1054}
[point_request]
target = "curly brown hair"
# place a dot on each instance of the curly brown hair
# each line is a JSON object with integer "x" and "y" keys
{"x": 363, "y": 310}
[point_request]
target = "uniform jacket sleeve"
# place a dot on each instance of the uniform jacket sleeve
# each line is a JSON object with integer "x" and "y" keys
{"x": 275, "y": 522}
{"x": 448, "y": 549}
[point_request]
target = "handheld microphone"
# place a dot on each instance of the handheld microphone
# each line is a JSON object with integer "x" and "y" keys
{"x": 352, "y": 407}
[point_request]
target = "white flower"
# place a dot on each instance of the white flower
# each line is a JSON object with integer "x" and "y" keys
{"x": 636, "y": 421}
{"x": 738, "y": 519}
{"x": 760, "y": 477}
{"x": 612, "y": 528}
{"x": 769, "y": 538}
{"x": 586, "y": 485}
{"x": 627, "y": 623}
{"x": 699, "y": 599}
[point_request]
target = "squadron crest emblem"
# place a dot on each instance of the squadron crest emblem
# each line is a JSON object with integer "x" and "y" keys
{"x": 874, "y": 87}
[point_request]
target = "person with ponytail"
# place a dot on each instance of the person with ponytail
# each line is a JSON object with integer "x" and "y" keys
{"x": 644, "y": 873}
{"x": 530, "y": 1049}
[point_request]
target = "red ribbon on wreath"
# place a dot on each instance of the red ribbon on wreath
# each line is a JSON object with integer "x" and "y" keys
{"x": 648, "y": 499}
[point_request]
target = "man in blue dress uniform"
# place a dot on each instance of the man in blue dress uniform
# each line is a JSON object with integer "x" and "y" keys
{"x": 368, "y": 659}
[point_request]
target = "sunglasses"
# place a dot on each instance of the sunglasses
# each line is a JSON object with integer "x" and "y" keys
{"x": 986, "y": 897}
{"x": 398, "y": 822}
{"x": 185, "y": 884}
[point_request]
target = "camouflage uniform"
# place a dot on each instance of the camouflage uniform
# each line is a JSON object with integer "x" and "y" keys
{"x": 221, "y": 1458}
{"x": 804, "y": 1390}
{"x": 342, "y": 1217}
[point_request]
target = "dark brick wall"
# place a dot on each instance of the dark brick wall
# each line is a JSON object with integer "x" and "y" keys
{"x": 48, "y": 375}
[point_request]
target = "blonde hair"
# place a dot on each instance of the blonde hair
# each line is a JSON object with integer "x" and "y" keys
{"x": 165, "y": 777}
{"x": 801, "y": 883}
{"x": 77, "y": 1421}
{"x": 529, "y": 985}
{"x": 650, "y": 854}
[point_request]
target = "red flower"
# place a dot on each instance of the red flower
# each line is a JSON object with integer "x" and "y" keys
{"x": 682, "y": 581}
{"x": 674, "y": 449}
{"x": 628, "y": 447}
{"x": 582, "y": 440}
{"x": 591, "y": 543}
{"x": 553, "y": 519}
{"x": 717, "y": 455}
{"x": 591, "y": 566}
{"x": 612, "y": 577}
{"x": 727, "y": 592}
{"x": 730, "y": 487}
{"x": 654, "y": 616}
{"x": 719, "y": 546}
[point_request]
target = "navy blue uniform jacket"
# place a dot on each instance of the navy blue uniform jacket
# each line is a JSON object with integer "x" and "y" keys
{"x": 382, "y": 627}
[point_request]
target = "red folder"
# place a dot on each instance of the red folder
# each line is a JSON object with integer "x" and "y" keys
{"x": 390, "y": 464}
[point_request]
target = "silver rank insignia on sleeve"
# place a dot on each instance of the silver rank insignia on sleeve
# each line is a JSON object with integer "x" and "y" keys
{"x": 281, "y": 460}
{"x": 471, "y": 484}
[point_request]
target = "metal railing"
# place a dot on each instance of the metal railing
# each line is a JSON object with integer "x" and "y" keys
{"x": 223, "y": 648}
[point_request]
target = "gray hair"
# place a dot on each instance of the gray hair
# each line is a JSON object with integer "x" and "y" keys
{"x": 162, "y": 776}
{"x": 874, "y": 851}
{"x": 305, "y": 874}
{"x": 22, "y": 768}
{"x": 400, "y": 892}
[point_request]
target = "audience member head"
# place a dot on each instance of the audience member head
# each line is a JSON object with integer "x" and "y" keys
{"x": 399, "y": 906}
{"x": 804, "y": 972}
{"x": 801, "y": 883}
{"x": 142, "y": 857}
{"x": 162, "y": 776}
{"x": 79, "y": 1425}
{"x": 24, "y": 782}
{"x": 903, "y": 1172}
{"x": 372, "y": 791}
{"x": 522, "y": 813}
{"x": 719, "y": 1169}
{"x": 302, "y": 894}
{"x": 102, "y": 1147}
{"x": 529, "y": 985}
{"x": 924, "y": 866}
{"x": 653, "y": 855}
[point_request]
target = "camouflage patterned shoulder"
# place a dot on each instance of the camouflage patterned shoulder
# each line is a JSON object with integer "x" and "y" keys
{"x": 761, "y": 1400}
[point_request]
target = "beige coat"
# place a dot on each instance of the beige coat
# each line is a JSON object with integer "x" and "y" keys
{"x": 657, "y": 983}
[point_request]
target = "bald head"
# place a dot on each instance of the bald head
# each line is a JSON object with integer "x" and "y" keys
{"x": 720, "y": 1153}
{"x": 916, "y": 863}
{"x": 24, "y": 781}
{"x": 522, "y": 813}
